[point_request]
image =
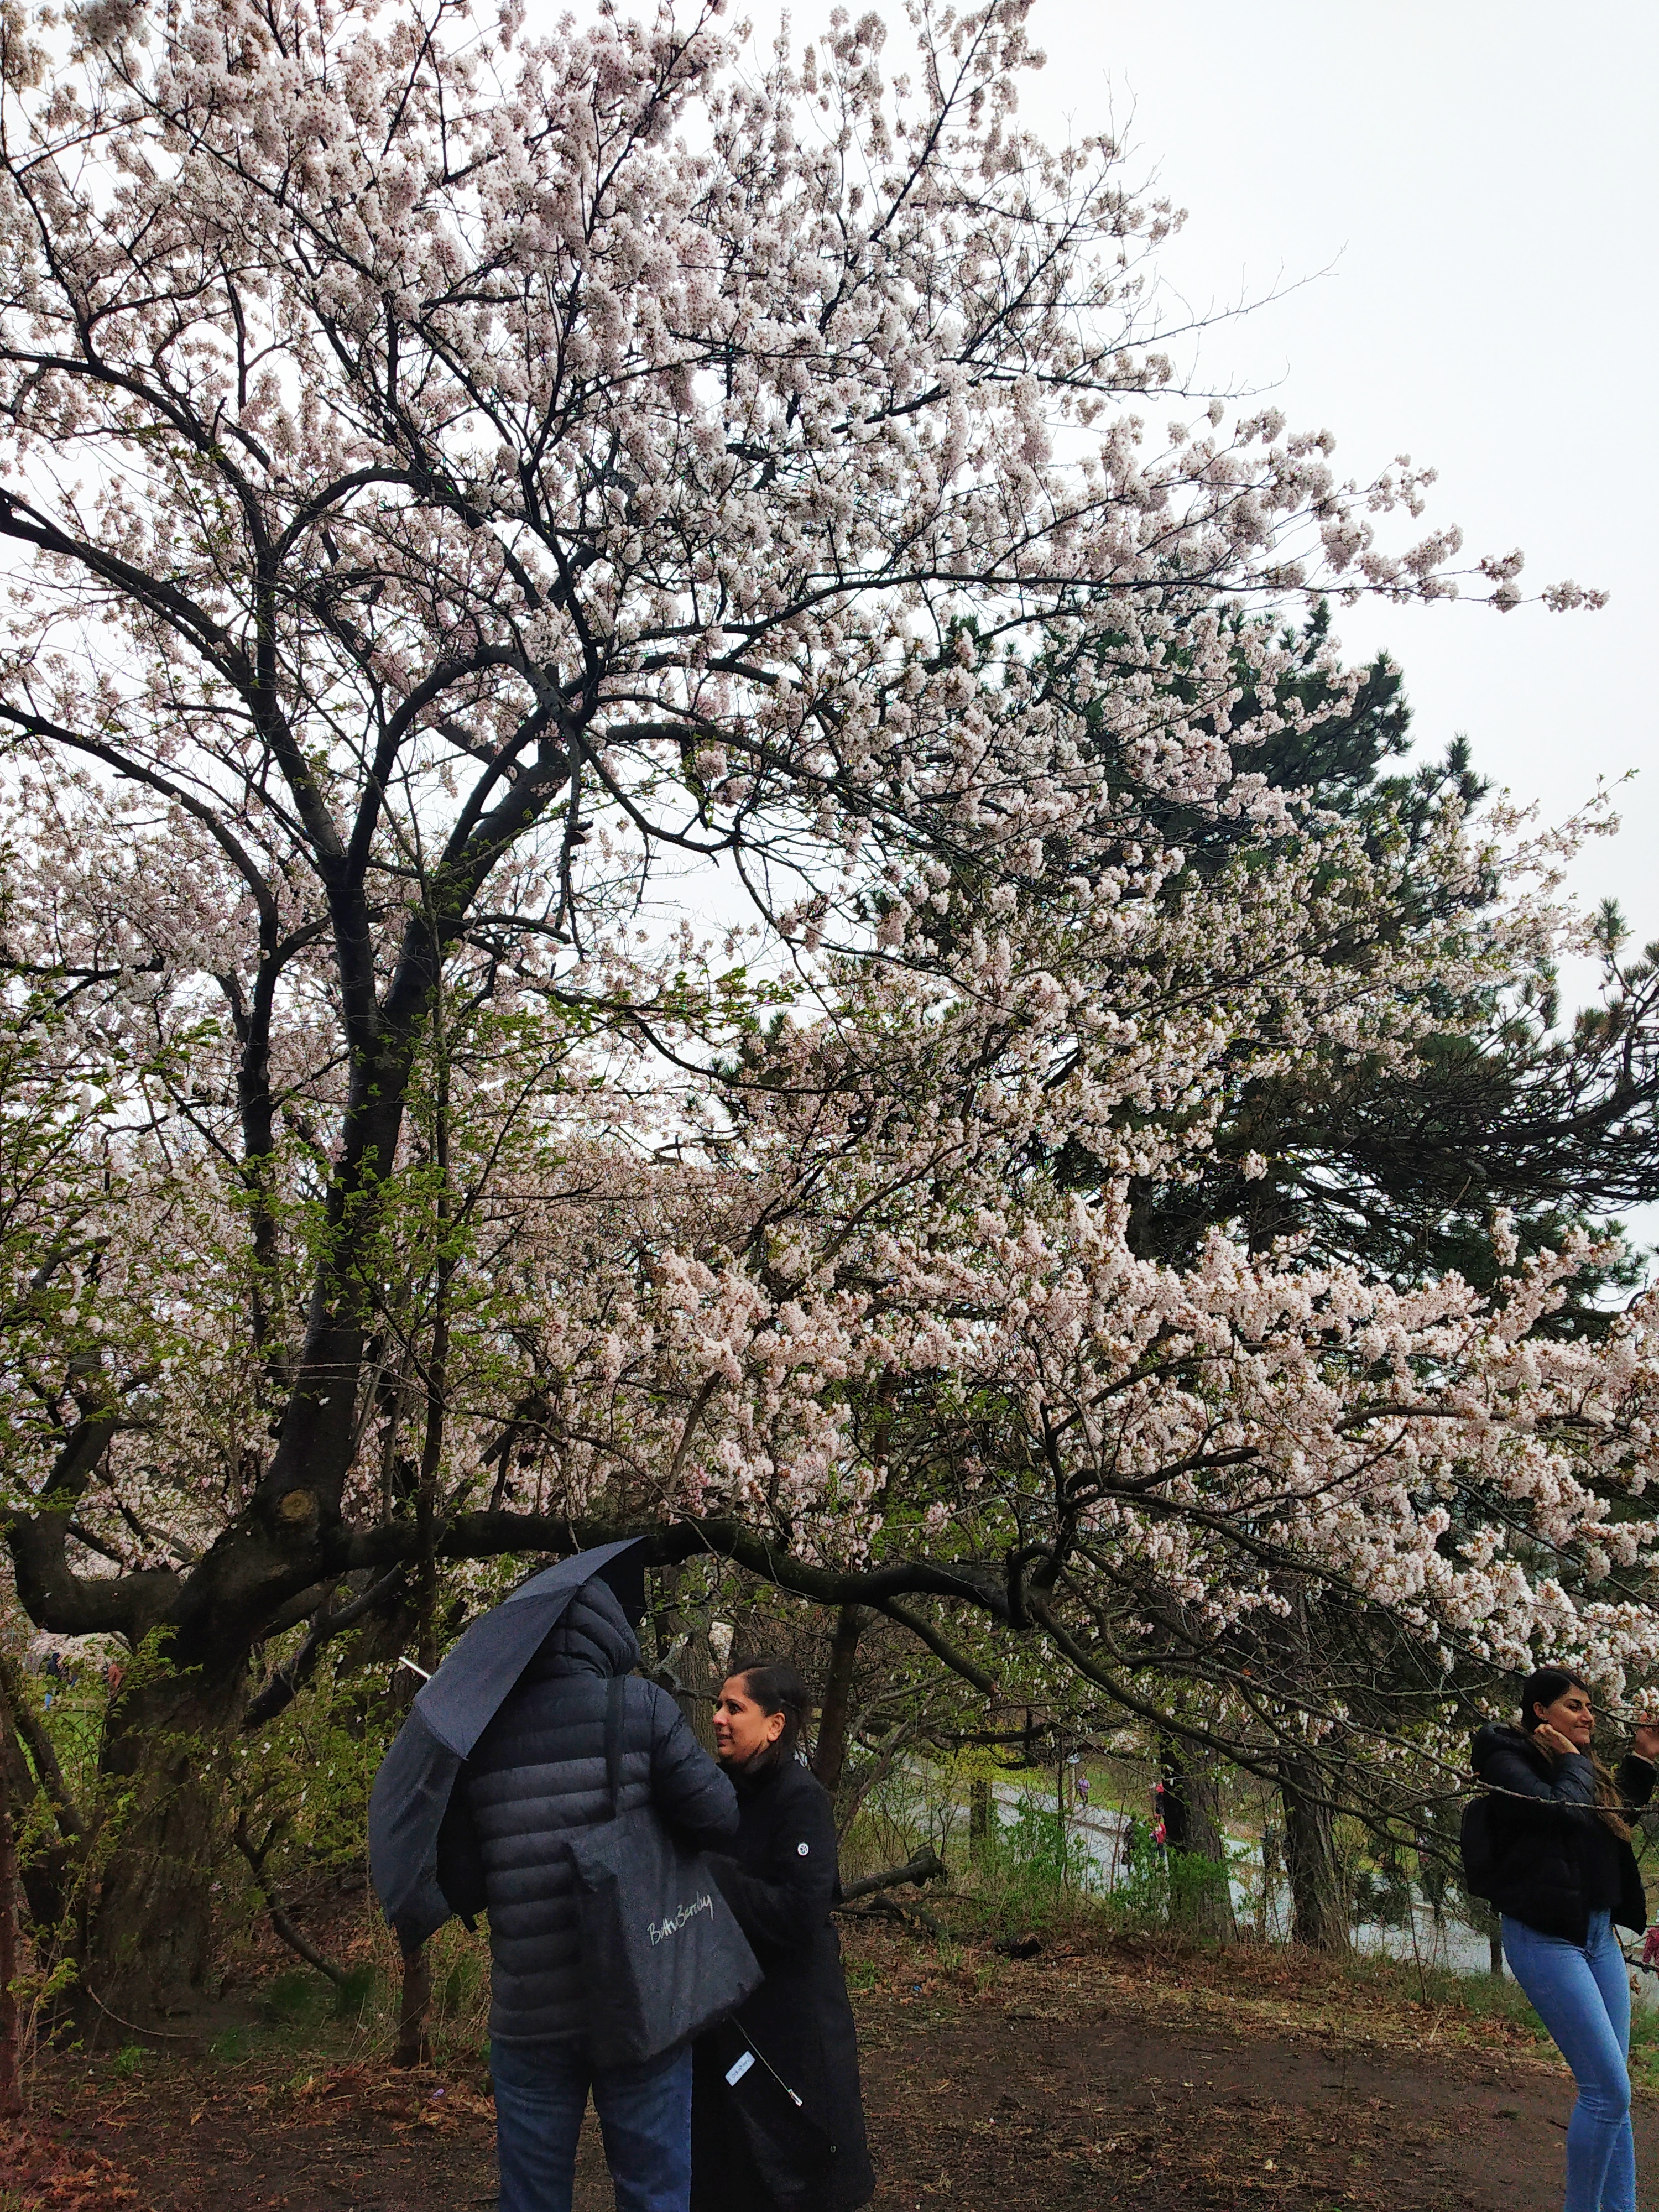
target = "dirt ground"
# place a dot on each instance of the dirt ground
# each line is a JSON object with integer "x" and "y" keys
{"x": 1058, "y": 2084}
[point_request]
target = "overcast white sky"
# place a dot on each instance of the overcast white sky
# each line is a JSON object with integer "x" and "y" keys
{"x": 1480, "y": 178}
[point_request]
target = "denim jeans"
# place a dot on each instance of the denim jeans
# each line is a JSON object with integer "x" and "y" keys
{"x": 1582, "y": 1994}
{"x": 645, "y": 2119}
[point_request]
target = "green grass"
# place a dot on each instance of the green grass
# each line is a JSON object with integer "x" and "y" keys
{"x": 293, "y": 2001}
{"x": 355, "y": 1991}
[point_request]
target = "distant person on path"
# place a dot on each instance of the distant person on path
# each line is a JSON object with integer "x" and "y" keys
{"x": 1564, "y": 1871}
{"x": 795, "y": 2107}
{"x": 537, "y": 1770}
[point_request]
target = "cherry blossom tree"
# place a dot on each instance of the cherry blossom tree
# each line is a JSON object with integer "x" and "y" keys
{"x": 458, "y": 485}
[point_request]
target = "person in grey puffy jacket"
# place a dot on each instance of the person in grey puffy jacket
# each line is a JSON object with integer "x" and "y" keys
{"x": 538, "y": 1772}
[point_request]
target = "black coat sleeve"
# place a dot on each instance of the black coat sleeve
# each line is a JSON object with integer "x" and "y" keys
{"x": 1635, "y": 1778}
{"x": 1568, "y": 1785}
{"x": 687, "y": 1788}
{"x": 786, "y": 1898}
{"x": 1541, "y": 1787}
{"x": 1537, "y": 1790}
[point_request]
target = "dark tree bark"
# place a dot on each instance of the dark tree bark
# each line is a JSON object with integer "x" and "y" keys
{"x": 149, "y": 1928}
{"x": 926, "y": 1866}
{"x": 413, "y": 2047}
{"x": 1485, "y": 1919}
{"x": 1319, "y": 1904}
{"x": 1192, "y": 1825}
{"x": 831, "y": 1754}
{"x": 979, "y": 1821}
{"x": 686, "y": 1665}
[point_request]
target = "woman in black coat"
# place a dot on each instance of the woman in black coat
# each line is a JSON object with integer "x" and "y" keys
{"x": 1561, "y": 1872}
{"x": 777, "y": 2121}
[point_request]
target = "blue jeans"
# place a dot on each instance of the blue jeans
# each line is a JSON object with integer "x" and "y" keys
{"x": 1582, "y": 1994}
{"x": 645, "y": 2118}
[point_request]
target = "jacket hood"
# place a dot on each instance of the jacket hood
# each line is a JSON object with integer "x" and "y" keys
{"x": 592, "y": 1636}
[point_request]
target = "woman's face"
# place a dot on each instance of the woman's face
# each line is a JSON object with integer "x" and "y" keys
{"x": 741, "y": 1728}
{"x": 1572, "y": 1714}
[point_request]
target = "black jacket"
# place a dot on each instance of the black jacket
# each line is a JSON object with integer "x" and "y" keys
{"x": 538, "y": 1770}
{"x": 1554, "y": 1862}
{"x": 782, "y": 1881}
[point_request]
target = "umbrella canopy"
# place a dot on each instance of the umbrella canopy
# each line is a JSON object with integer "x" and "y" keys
{"x": 422, "y": 1856}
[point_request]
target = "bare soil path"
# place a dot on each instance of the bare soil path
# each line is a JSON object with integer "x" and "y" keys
{"x": 1062, "y": 2084}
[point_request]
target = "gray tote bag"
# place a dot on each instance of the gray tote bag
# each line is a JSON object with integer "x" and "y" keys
{"x": 663, "y": 1958}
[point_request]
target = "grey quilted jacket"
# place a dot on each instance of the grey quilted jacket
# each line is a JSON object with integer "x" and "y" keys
{"x": 538, "y": 1770}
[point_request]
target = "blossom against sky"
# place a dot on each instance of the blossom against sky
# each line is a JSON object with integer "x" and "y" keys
{"x": 1456, "y": 203}
{"x": 1454, "y": 206}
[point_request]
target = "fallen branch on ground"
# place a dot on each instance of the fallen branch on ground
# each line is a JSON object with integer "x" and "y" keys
{"x": 908, "y": 1916}
{"x": 926, "y": 1866}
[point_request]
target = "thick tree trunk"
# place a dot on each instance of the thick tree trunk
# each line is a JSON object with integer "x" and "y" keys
{"x": 1319, "y": 1904}
{"x": 979, "y": 1821}
{"x": 831, "y": 1754}
{"x": 1486, "y": 1920}
{"x": 686, "y": 1659}
{"x": 149, "y": 1922}
{"x": 1201, "y": 1898}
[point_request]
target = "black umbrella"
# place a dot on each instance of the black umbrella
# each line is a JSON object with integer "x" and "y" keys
{"x": 422, "y": 1858}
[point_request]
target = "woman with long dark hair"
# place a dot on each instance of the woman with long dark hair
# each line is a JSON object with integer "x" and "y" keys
{"x": 777, "y": 2121}
{"x": 1562, "y": 1873}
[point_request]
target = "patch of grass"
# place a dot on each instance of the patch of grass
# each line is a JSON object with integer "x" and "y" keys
{"x": 231, "y": 2048}
{"x": 128, "y": 2060}
{"x": 992, "y": 1908}
{"x": 457, "y": 2021}
{"x": 464, "y": 1984}
{"x": 355, "y": 1992}
{"x": 1036, "y": 1876}
{"x": 293, "y": 2001}
{"x": 1400, "y": 1983}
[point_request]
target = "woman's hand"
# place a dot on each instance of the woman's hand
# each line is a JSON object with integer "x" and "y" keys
{"x": 1645, "y": 1742}
{"x": 1555, "y": 1742}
